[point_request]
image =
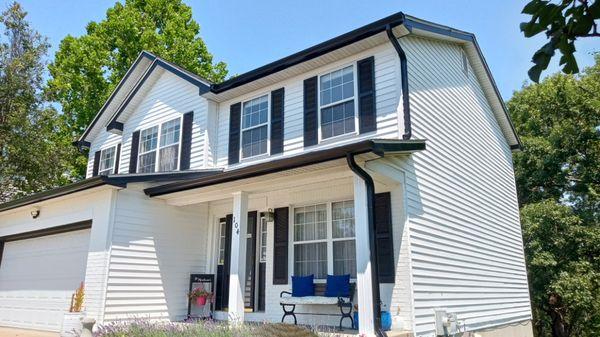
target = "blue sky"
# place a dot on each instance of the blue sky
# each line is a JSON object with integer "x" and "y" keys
{"x": 248, "y": 34}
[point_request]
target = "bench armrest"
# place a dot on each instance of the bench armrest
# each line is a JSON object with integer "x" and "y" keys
{"x": 285, "y": 292}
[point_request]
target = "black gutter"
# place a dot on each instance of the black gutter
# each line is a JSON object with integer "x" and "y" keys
{"x": 404, "y": 78}
{"x": 81, "y": 143}
{"x": 376, "y": 297}
{"x": 310, "y": 53}
{"x": 377, "y": 146}
{"x": 116, "y": 180}
{"x": 60, "y": 191}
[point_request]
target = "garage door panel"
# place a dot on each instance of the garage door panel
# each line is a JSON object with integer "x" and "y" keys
{"x": 38, "y": 276}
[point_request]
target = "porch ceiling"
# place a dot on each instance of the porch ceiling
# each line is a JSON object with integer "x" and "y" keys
{"x": 286, "y": 173}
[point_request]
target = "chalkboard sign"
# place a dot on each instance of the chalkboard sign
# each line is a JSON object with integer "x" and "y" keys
{"x": 201, "y": 309}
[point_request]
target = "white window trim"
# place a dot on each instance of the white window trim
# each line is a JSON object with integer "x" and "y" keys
{"x": 355, "y": 98}
{"x": 114, "y": 164}
{"x": 267, "y": 123}
{"x": 329, "y": 239}
{"x": 158, "y": 147}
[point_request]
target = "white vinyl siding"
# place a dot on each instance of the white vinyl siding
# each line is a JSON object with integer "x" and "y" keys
{"x": 155, "y": 247}
{"x": 164, "y": 97}
{"x": 387, "y": 98}
{"x": 465, "y": 237}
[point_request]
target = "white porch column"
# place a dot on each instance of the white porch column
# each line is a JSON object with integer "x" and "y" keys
{"x": 364, "y": 284}
{"x": 237, "y": 275}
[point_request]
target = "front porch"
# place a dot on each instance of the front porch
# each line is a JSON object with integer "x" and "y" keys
{"x": 313, "y": 219}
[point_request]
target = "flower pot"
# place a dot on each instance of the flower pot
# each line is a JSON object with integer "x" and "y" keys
{"x": 201, "y": 300}
{"x": 71, "y": 324}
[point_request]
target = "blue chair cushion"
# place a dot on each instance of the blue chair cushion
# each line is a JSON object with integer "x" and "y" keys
{"x": 338, "y": 286}
{"x": 303, "y": 286}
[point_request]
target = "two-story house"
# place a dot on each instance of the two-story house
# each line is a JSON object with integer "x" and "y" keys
{"x": 383, "y": 153}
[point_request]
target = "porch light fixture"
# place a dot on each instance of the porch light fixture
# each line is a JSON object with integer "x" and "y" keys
{"x": 269, "y": 215}
{"x": 35, "y": 212}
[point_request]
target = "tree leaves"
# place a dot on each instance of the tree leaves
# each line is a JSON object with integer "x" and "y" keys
{"x": 35, "y": 152}
{"x": 563, "y": 23}
{"x": 86, "y": 69}
{"x": 558, "y": 182}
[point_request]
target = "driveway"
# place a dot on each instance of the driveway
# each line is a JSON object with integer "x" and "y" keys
{"x": 13, "y": 332}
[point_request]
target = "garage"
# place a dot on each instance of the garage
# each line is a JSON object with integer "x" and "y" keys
{"x": 38, "y": 273}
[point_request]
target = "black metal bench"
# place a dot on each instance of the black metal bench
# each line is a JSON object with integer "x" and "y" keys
{"x": 288, "y": 303}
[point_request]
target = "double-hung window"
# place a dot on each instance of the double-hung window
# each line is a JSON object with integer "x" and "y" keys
{"x": 107, "y": 161}
{"x": 160, "y": 154}
{"x": 255, "y": 127}
{"x": 324, "y": 239}
{"x": 336, "y": 103}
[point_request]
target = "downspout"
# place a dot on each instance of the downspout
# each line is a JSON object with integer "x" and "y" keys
{"x": 404, "y": 78}
{"x": 372, "y": 242}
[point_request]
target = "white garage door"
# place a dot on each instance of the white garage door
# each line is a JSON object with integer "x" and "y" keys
{"x": 38, "y": 276}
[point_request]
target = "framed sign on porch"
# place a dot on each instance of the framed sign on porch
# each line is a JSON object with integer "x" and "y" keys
{"x": 201, "y": 296}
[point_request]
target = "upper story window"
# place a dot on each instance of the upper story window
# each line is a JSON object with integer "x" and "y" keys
{"x": 160, "y": 154}
{"x": 255, "y": 126}
{"x": 107, "y": 161}
{"x": 336, "y": 103}
{"x": 324, "y": 239}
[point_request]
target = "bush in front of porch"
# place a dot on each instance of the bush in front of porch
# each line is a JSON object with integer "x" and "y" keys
{"x": 145, "y": 328}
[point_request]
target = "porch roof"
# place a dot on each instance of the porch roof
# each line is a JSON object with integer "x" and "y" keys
{"x": 115, "y": 180}
{"x": 379, "y": 147}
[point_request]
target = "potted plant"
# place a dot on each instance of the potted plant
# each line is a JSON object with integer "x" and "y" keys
{"x": 199, "y": 295}
{"x": 71, "y": 325}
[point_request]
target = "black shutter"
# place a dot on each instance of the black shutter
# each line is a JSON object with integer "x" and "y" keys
{"x": 384, "y": 237}
{"x": 234, "y": 133}
{"x": 186, "y": 141}
{"x": 133, "y": 156}
{"x": 118, "y": 158}
{"x": 366, "y": 95}
{"x": 277, "y": 99}
{"x": 96, "y": 163}
{"x": 1, "y": 251}
{"x": 310, "y": 112}
{"x": 280, "y": 247}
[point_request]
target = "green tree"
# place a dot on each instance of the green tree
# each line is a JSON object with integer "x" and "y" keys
{"x": 558, "y": 181}
{"x": 33, "y": 150}
{"x": 86, "y": 69}
{"x": 563, "y": 23}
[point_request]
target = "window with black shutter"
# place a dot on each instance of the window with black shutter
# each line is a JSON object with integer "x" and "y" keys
{"x": 366, "y": 95}
{"x": 186, "y": 141}
{"x": 310, "y": 112}
{"x": 133, "y": 155}
{"x": 96, "y": 163}
{"x": 277, "y": 100}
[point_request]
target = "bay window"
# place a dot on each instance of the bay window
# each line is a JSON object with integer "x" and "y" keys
{"x": 160, "y": 154}
{"x": 107, "y": 161}
{"x": 323, "y": 239}
{"x": 255, "y": 127}
{"x": 336, "y": 103}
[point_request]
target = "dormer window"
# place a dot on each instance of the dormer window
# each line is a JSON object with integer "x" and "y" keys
{"x": 255, "y": 126}
{"x": 336, "y": 103}
{"x": 160, "y": 155}
{"x": 107, "y": 161}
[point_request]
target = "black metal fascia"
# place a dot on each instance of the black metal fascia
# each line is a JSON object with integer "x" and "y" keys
{"x": 61, "y": 191}
{"x": 310, "y": 53}
{"x": 404, "y": 81}
{"x": 376, "y": 296}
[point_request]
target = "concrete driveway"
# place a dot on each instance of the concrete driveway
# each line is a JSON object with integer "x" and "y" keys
{"x": 13, "y": 332}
